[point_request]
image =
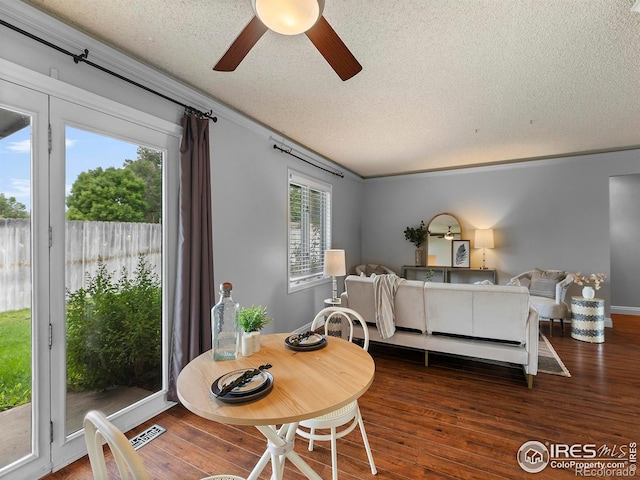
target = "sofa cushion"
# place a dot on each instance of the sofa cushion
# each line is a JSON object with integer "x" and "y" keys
{"x": 408, "y": 303}
{"x": 479, "y": 311}
{"x": 548, "y": 308}
{"x": 543, "y": 282}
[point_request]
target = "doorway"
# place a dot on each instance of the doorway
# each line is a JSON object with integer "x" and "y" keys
{"x": 83, "y": 308}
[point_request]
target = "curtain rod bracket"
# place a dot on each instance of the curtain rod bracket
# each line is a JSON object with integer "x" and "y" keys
{"x": 81, "y": 57}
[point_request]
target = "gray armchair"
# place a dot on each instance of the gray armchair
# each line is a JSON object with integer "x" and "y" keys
{"x": 547, "y": 290}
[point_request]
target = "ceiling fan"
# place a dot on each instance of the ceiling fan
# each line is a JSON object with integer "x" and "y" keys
{"x": 292, "y": 17}
{"x": 448, "y": 235}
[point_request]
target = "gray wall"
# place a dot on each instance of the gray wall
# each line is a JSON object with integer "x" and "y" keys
{"x": 547, "y": 214}
{"x": 624, "y": 194}
{"x": 250, "y": 186}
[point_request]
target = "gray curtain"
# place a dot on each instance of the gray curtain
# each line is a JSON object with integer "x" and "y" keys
{"x": 195, "y": 292}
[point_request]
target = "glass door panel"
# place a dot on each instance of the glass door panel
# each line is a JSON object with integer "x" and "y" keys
{"x": 24, "y": 446}
{"x": 15, "y": 285}
{"x": 108, "y": 292}
{"x": 113, "y": 273}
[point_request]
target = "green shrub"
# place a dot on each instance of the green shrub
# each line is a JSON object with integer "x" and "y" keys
{"x": 114, "y": 331}
{"x": 14, "y": 396}
{"x": 15, "y": 358}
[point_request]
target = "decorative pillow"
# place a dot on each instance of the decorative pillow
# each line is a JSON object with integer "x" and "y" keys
{"x": 484, "y": 282}
{"x": 515, "y": 282}
{"x": 543, "y": 282}
{"x": 377, "y": 269}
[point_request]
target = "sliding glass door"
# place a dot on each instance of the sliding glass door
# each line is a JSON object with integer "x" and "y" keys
{"x": 84, "y": 289}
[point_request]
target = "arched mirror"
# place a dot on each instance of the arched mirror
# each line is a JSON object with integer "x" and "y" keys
{"x": 442, "y": 229}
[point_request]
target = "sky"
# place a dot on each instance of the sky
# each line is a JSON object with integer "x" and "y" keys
{"x": 84, "y": 151}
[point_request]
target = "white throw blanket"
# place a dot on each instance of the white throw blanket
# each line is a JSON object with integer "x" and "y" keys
{"x": 384, "y": 292}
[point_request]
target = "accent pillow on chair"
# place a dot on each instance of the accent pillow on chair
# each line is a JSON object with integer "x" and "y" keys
{"x": 543, "y": 282}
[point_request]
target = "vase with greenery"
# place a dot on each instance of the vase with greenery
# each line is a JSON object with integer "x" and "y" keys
{"x": 417, "y": 236}
{"x": 252, "y": 320}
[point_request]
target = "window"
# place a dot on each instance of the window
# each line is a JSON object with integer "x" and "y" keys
{"x": 309, "y": 229}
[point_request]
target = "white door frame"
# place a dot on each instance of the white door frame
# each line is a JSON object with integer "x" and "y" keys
{"x": 64, "y": 450}
{"x": 35, "y": 103}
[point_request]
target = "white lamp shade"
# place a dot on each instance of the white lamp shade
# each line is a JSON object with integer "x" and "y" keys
{"x": 288, "y": 17}
{"x": 334, "y": 263}
{"x": 484, "y": 238}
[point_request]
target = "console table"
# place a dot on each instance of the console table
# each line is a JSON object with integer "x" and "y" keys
{"x": 587, "y": 319}
{"x": 449, "y": 274}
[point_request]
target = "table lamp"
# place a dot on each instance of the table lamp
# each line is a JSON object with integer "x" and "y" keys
{"x": 484, "y": 240}
{"x": 334, "y": 266}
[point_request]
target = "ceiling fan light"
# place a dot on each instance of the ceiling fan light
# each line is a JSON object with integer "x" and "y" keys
{"x": 288, "y": 17}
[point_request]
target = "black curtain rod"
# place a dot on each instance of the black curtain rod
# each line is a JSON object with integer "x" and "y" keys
{"x": 83, "y": 58}
{"x": 288, "y": 152}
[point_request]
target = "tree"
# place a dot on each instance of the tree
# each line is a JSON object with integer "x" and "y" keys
{"x": 11, "y": 208}
{"x": 111, "y": 195}
{"x": 148, "y": 167}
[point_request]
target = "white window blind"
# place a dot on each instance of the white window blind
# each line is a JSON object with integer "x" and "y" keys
{"x": 309, "y": 229}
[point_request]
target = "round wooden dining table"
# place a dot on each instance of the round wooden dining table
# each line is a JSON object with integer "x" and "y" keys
{"x": 306, "y": 384}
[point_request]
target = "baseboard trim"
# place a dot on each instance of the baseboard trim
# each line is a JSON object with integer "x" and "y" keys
{"x": 624, "y": 310}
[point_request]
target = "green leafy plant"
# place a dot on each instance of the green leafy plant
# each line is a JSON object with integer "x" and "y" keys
{"x": 114, "y": 331}
{"x": 416, "y": 235}
{"x": 15, "y": 358}
{"x": 253, "y": 319}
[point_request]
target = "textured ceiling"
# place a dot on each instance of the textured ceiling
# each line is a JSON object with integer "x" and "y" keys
{"x": 445, "y": 83}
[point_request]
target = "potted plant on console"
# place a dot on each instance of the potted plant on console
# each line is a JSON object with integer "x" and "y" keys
{"x": 417, "y": 236}
{"x": 252, "y": 320}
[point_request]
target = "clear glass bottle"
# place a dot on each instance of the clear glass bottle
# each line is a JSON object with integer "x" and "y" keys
{"x": 225, "y": 330}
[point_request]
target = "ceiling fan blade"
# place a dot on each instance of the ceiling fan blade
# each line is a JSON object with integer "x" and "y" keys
{"x": 333, "y": 49}
{"x": 241, "y": 46}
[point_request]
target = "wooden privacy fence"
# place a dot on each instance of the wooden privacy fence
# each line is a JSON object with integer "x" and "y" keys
{"x": 118, "y": 244}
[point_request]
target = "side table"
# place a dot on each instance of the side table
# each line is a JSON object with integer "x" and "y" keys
{"x": 587, "y": 319}
{"x": 335, "y": 323}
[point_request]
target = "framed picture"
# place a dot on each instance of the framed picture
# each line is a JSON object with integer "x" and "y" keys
{"x": 460, "y": 253}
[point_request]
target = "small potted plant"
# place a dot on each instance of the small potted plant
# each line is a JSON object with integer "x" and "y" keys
{"x": 417, "y": 236}
{"x": 252, "y": 320}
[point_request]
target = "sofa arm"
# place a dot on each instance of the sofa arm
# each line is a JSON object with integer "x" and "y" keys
{"x": 533, "y": 332}
{"x": 344, "y": 300}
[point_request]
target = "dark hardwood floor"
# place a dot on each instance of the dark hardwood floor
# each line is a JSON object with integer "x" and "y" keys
{"x": 455, "y": 419}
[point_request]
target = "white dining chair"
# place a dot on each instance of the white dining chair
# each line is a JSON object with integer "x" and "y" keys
{"x": 343, "y": 421}
{"x": 97, "y": 430}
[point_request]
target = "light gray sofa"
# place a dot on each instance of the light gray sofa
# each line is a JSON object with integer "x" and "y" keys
{"x": 480, "y": 321}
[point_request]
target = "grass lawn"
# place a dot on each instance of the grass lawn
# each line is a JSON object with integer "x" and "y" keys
{"x": 15, "y": 358}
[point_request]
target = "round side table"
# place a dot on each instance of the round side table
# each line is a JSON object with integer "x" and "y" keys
{"x": 587, "y": 319}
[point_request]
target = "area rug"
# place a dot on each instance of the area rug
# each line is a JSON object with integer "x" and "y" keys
{"x": 548, "y": 359}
